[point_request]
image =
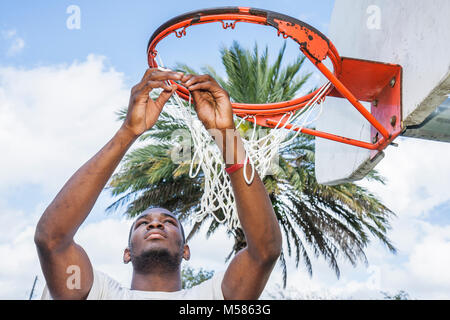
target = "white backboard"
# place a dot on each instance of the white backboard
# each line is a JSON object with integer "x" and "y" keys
{"x": 412, "y": 33}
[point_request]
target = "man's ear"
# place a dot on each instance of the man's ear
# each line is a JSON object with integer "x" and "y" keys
{"x": 186, "y": 252}
{"x": 126, "y": 256}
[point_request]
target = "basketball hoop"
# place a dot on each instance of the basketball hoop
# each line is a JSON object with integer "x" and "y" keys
{"x": 353, "y": 79}
{"x": 349, "y": 77}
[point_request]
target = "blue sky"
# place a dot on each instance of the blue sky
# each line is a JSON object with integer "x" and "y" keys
{"x": 120, "y": 30}
{"x": 59, "y": 89}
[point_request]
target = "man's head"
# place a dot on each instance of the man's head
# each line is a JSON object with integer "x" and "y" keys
{"x": 156, "y": 242}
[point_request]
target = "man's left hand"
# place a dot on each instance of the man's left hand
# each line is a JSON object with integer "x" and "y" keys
{"x": 212, "y": 102}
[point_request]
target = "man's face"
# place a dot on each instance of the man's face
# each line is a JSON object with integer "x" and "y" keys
{"x": 154, "y": 232}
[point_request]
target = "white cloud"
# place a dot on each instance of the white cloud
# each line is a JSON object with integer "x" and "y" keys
{"x": 418, "y": 176}
{"x": 16, "y": 47}
{"x": 8, "y": 34}
{"x": 16, "y": 43}
{"x": 104, "y": 242}
{"x": 430, "y": 260}
{"x": 418, "y": 181}
{"x": 55, "y": 118}
{"x": 19, "y": 264}
{"x": 204, "y": 251}
{"x": 52, "y": 119}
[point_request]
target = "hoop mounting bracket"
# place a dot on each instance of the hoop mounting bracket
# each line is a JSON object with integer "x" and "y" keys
{"x": 381, "y": 85}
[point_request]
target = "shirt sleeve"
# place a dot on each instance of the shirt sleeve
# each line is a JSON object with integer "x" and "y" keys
{"x": 103, "y": 288}
{"x": 208, "y": 290}
{"x": 217, "y": 286}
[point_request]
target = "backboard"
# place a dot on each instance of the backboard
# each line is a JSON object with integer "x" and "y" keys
{"x": 411, "y": 33}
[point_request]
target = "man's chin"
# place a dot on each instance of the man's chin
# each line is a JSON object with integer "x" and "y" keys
{"x": 156, "y": 256}
{"x": 154, "y": 245}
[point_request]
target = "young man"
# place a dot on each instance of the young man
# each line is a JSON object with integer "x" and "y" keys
{"x": 156, "y": 244}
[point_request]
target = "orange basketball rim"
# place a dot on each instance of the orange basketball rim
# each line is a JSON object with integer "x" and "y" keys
{"x": 353, "y": 79}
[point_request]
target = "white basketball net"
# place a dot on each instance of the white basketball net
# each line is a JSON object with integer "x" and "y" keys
{"x": 261, "y": 153}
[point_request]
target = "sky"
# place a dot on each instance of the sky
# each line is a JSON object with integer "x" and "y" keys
{"x": 61, "y": 83}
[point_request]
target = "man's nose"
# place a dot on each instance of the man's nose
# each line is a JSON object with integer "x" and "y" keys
{"x": 155, "y": 224}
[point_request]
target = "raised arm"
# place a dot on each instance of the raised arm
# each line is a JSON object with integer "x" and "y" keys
{"x": 250, "y": 269}
{"x": 54, "y": 236}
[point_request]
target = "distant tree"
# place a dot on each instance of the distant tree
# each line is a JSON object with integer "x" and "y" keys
{"x": 401, "y": 295}
{"x": 191, "y": 277}
{"x": 293, "y": 293}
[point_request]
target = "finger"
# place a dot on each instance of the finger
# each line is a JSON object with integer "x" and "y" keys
{"x": 186, "y": 77}
{"x": 163, "y": 69}
{"x": 156, "y": 84}
{"x": 207, "y": 85}
{"x": 147, "y": 72}
{"x": 165, "y": 96}
{"x": 197, "y": 79}
{"x": 142, "y": 83}
{"x": 153, "y": 74}
{"x": 164, "y": 75}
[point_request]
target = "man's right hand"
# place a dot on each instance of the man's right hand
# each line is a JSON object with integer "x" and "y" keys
{"x": 143, "y": 111}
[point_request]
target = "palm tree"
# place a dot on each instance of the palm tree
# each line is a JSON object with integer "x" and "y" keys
{"x": 316, "y": 220}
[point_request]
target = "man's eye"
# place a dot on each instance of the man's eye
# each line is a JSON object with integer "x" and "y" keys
{"x": 171, "y": 221}
{"x": 142, "y": 222}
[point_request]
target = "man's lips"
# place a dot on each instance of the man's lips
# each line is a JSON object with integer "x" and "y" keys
{"x": 154, "y": 235}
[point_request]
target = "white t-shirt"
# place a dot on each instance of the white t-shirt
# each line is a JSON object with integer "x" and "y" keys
{"x": 106, "y": 288}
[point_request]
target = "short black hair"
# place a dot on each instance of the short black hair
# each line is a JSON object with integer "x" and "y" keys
{"x": 140, "y": 215}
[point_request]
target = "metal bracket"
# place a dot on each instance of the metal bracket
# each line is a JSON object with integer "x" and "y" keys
{"x": 381, "y": 85}
{"x": 227, "y": 25}
{"x": 181, "y": 33}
